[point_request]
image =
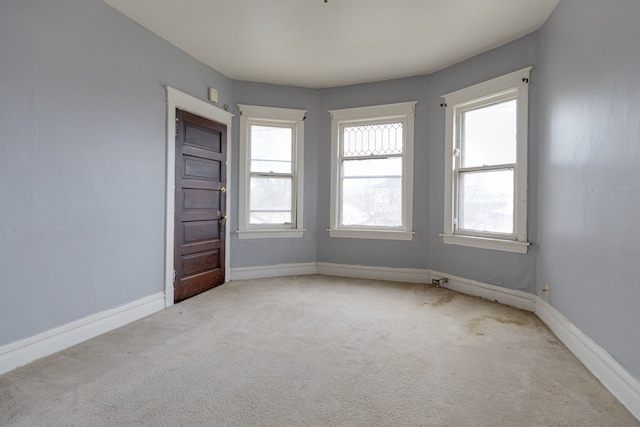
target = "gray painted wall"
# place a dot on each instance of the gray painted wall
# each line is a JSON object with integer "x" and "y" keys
{"x": 82, "y": 159}
{"x": 119, "y": 62}
{"x": 383, "y": 253}
{"x": 514, "y": 271}
{"x": 253, "y": 252}
{"x": 589, "y": 187}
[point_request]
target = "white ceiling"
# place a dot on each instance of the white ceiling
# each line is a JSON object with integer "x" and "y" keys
{"x": 315, "y": 44}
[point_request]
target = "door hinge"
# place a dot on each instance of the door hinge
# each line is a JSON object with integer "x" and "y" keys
{"x": 176, "y": 127}
{"x": 175, "y": 275}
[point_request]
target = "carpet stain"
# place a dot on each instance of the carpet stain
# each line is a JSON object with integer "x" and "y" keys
{"x": 442, "y": 300}
{"x": 475, "y": 325}
{"x": 507, "y": 321}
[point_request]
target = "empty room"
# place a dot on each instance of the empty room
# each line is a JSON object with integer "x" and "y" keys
{"x": 320, "y": 212}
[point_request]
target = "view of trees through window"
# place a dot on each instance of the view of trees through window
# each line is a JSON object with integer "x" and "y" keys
{"x": 486, "y": 187}
{"x": 271, "y": 187}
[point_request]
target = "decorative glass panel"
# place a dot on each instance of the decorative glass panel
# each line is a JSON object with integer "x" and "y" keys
{"x": 372, "y": 140}
{"x": 489, "y": 135}
{"x": 271, "y": 149}
{"x": 270, "y": 200}
{"x": 486, "y": 201}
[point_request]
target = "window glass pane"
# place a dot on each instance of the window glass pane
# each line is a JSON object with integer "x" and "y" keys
{"x": 489, "y": 135}
{"x": 372, "y": 140}
{"x": 372, "y": 193}
{"x": 372, "y": 167}
{"x": 486, "y": 201}
{"x": 372, "y": 202}
{"x": 270, "y": 200}
{"x": 271, "y": 149}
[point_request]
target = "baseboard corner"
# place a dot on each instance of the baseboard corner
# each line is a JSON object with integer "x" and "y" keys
{"x": 408, "y": 275}
{"x": 624, "y": 386}
{"x": 506, "y": 296}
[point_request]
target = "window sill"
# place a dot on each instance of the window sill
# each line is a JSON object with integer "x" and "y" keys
{"x": 372, "y": 234}
{"x": 486, "y": 243}
{"x": 271, "y": 234}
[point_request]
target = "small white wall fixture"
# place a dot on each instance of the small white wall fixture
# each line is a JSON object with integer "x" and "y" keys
{"x": 186, "y": 102}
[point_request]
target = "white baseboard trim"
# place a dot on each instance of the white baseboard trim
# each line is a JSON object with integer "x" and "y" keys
{"x": 602, "y": 365}
{"x": 29, "y": 349}
{"x": 510, "y": 297}
{"x": 411, "y": 275}
{"x": 280, "y": 270}
{"x": 613, "y": 376}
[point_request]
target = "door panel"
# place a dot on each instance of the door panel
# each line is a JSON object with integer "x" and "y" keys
{"x": 196, "y": 136}
{"x": 199, "y": 263}
{"x": 200, "y": 168}
{"x": 200, "y": 205}
{"x": 199, "y": 199}
{"x": 204, "y": 231}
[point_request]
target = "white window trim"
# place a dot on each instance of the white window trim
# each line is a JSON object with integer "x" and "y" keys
{"x": 517, "y": 81}
{"x": 405, "y": 112}
{"x": 264, "y": 115}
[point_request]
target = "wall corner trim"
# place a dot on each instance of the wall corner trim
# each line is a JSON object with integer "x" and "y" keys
{"x": 19, "y": 353}
{"x": 511, "y": 297}
{"x": 598, "y": 361}
{"x": 280, "y": 270}
{"x": 411, "y": 275}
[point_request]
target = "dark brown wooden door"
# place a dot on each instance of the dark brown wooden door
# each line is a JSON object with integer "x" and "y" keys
{"x": 200, "y": 214}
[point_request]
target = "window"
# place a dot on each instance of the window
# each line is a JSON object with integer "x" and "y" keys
{"x": 486, "y": 164}
{"x": 372, "y": 172}
{"x": 271, "y": 160}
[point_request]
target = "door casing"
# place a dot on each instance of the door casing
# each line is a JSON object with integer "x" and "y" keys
{"x": 186, "y": 102}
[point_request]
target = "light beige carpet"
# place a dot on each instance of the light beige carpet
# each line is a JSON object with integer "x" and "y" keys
{"x": 316, "y": 351}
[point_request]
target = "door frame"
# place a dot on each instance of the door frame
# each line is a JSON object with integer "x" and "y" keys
{"x": 186, "y": 102}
